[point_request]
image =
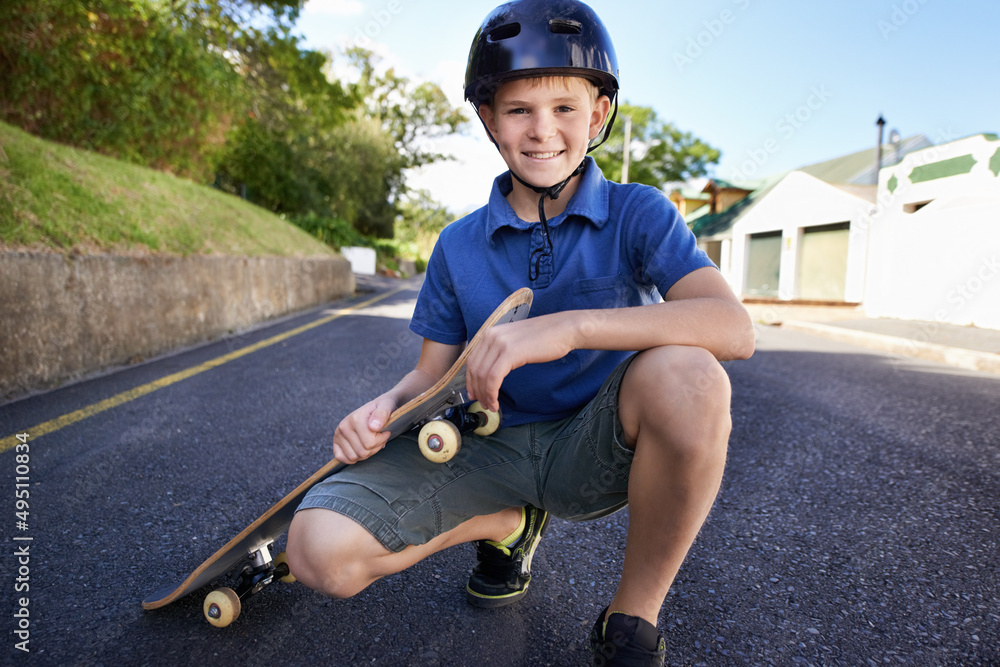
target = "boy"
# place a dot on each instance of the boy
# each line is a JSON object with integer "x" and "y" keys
{"x": 589, "y": 424}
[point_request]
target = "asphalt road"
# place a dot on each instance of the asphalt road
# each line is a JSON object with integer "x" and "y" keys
{"x": 857, "y": 524}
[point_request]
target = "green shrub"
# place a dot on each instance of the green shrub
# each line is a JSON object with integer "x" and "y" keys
{"x": 119, "y": 78}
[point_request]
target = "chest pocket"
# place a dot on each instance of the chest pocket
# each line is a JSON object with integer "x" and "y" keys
{"x": 606, "y": 292}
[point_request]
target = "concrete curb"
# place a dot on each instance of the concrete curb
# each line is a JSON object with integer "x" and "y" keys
{"x": 953, "y": 356}
{"x": 68, "y": 316}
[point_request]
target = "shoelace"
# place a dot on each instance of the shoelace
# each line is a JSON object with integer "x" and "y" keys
{"x": 493, "y": 562}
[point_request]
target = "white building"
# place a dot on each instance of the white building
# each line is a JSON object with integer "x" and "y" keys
{"x": 802, "y": 235}
{"x": 934, "y": 243}
{"x": 925, "y": 246}
{"x": 799, "y": 242}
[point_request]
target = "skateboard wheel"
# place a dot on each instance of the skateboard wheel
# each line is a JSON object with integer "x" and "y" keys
{"x": 439, "y": 441}
{"x": 492, "y": 419}
{"x": 222, "y": 607}
{"x": 280, "y": 566}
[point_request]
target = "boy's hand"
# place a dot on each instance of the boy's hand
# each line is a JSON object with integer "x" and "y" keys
{"x": 509, "y": 346}
{"x": 360, "y": 434}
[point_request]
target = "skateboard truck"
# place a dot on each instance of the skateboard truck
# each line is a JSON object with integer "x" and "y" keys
{"x": 223, "y": 605}
{"x": 441, "y": 438}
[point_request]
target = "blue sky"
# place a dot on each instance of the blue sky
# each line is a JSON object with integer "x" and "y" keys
{"x": 773, "y": 84}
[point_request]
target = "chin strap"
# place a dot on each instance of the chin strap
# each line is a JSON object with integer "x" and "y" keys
{"x": 535, "y": 263}
{"x": 607, "y": 126}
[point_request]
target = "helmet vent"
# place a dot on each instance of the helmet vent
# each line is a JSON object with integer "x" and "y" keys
{"x": 565, "y": 27}
{"x": 504, "y": 32}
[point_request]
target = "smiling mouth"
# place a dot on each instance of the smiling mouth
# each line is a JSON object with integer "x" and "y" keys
{"x": 544, "y": 156}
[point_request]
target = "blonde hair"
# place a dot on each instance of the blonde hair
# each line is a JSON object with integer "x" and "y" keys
{"x": 554, "y": 81}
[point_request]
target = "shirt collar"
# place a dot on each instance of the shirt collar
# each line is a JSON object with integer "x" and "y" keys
{"x": 590, "y": 201}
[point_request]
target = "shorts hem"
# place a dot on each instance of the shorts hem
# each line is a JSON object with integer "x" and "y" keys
{"x": 379, "y": 528}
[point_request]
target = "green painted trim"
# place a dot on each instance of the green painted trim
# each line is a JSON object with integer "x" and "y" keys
{"x": 995, "y": 163}
{"x": 955, "y": 166}
{"x": 893, "y": 184}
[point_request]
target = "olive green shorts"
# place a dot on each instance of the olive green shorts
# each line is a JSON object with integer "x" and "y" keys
{"x": 576, "y": 468}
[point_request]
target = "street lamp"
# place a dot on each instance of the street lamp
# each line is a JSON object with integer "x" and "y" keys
{"x": 878, "y": 152}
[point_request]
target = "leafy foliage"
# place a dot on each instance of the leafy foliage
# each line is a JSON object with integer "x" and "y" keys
{"x": 116, "y": 77}
{"x": 229, "y": 24}
{"x": 273, "y": 157}
{"x": 421, "y": 221}
{"x": 331, "y": 231}
{"x": 319, "y": 150}
{"x": 660, "y": 153}
{"x": 411, "y": 115}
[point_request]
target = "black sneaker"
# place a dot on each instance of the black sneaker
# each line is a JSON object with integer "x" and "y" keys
{"x": 503, "y": 573}
{"x": 626, "y": 641}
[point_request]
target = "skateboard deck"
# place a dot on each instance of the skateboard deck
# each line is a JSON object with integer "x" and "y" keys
{"x": 251, "y": 548}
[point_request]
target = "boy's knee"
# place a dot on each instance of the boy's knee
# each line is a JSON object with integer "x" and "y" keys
{"x": 321, "y": 562}
{"x": 681, "y": 393}
{"x": 681, "y": 376}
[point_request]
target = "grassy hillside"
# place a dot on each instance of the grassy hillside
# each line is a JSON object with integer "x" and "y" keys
{"x": 53, "y": 197}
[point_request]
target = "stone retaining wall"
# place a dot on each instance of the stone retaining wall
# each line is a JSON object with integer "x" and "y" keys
{"x": 64, "y": 316}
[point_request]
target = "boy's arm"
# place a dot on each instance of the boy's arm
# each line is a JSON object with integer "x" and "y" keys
{"x": 700, "y": 310}
{"x": 360, "y": 434}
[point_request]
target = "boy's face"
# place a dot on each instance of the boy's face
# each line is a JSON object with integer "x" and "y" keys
{"x": 543, "y": 126}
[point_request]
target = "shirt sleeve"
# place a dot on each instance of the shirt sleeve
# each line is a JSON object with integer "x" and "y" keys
{"x": 662, "y": 248}
{"x": 437, "y": 315}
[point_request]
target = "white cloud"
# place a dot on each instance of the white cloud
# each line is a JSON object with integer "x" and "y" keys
{"x": 340, "y": 69}
{"x": 450, "y": 75}
{"x": 335, "y": 7}
{"x": 462, "y": 184}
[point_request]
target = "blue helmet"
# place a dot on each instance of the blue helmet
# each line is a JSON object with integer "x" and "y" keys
{"x": 532, "y": 38}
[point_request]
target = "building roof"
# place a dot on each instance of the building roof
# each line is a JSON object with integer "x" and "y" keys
{"x": 721, "y": 223}
{"x": 853, "y": 173}
{"x": 718, "y": 183}
{"x": 859, "y": 168}
{"x": 867, "y": 192}
{"x": 690, "y": 193}
{"x": 696, "y": 214}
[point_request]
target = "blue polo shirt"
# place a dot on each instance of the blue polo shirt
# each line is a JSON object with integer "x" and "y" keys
{"x": 614, "y": 246}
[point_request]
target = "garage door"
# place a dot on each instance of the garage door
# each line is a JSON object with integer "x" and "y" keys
{"x": 823, "y": 262}
{"x": 763, "y": 264}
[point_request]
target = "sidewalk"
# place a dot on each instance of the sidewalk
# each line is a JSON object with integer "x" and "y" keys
{"x": 970, "y": 348}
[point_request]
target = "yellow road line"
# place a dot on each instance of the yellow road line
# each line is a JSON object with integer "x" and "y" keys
{"x": 79, "y": 415}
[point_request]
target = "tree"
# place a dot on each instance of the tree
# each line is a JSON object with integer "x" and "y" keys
{"x": 306, "y": 148}
{"x": 367, "y": 173}
{"x": 277, "y": 157}
{"x": 230, "y": 26}
{"x": 660, "y": 153}
{"x": 411, "y": 114}
{"x": 349, "y": 164}
{"x": 421, "y": 221}
{"x": 117, "y": 77}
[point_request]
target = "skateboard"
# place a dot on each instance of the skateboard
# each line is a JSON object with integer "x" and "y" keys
{"x": 442, "y": 413}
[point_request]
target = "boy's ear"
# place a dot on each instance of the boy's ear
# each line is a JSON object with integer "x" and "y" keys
{"x": 602, "y": 107}
{"x": 489, "y": 120}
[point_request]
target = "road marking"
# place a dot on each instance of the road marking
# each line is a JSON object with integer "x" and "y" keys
{"x": 79, "y": 415}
